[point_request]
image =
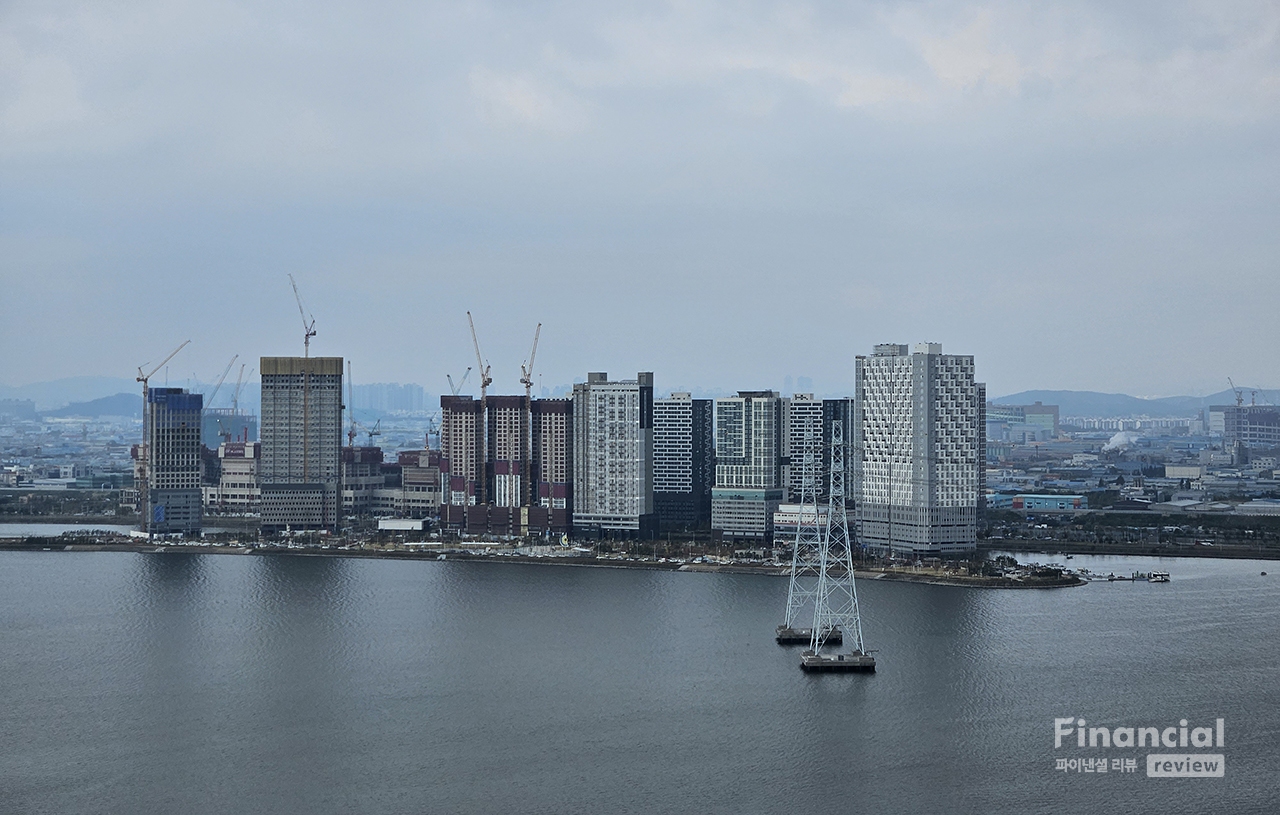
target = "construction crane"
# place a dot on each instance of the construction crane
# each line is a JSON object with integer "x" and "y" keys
{"x": 235, "y": 394}
{"x": 526, "y": 379}
{"x": 485, "y": 379}
{"x": 1239, "y": 393}
{"x": 463, "y": 381}
{"x": 221, "y": 379}
{"x": 308, "y": 331}
{"x": 373, "y": 431}
{"x": 526, "y": 374}
{"x": 308, "y": 326}
{"x": 143, "y": 474}
{"x": 433, "y": 429}
{"x": 351, "y": 408}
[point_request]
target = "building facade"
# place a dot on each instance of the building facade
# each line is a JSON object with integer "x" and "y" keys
{"x": 919, "y": 427}
{"x": 801, "y": 415}
{"x": 1254, "y": 426}
{"x": 175, "y": 500}
{"x": 361, "y": 479}
{"x": 683, "y": 461}
{"x": 462, "y": 451}
{"x": 551, "y": 421}
{"x": 237, "y": 491}
{"x": 507, "y": 482}
{"x": 301, "y": 429}
{"x": 749, "y": 443}
{"x": 613, "y": 454}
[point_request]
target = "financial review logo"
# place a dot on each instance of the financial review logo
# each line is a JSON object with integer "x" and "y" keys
{"x": 1073, "y": 735}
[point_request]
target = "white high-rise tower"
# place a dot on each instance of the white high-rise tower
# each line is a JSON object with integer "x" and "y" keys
{"x": 919, "y": 439}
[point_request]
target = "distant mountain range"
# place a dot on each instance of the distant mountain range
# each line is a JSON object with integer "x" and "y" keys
{"x": 122, "y": 404}
{"x": 113, "y": 396}
{"x": 1117, "y": 405}
{"x": 61, "y": 392}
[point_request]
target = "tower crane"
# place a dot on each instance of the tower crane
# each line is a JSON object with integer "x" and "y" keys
{"x": 526, "y": 378}
{"x": 463, "y": 381}
{"x": 144, "y": 451}
{"x": 485, "y": 379}
{"x": 308, "y": 331}
{"x": 221, "y": 379}
{"x": 235, "y": 394}
{"x": 351, "y": 408}
{"x": 308, "y": 326}
{"x": 1239, "y": 393}
{"x": 526, "y": 374}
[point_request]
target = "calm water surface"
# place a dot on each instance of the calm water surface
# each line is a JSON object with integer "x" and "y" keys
{"x": 217, "y": 684}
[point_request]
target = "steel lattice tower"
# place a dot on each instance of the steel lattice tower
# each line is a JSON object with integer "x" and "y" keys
{"x": 836, "y": 602}
{"x": 805, "y": 556}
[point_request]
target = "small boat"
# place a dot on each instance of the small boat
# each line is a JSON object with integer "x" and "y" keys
{"x": 1158, "y": 577}
{"x": 1264, "y": 574}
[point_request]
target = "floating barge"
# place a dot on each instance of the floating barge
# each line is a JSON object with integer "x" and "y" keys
{"x": 804, "y": 636}
{"x": 856, "y": 661}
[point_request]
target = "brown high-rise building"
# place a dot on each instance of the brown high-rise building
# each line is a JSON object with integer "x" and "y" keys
{"x": 507, "y": 482}
{"x": 552, "y": 466}
{"x": 506, "y": 464}
{"x": 462, "y": 451}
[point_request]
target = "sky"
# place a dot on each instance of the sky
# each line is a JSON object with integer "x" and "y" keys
{"x": 1082, "y": 195}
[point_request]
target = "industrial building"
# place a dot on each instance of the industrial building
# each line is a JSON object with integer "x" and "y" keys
{"x": 919, "y": 424}
{"x": 613, "y": 454}
{"x": 301, "y": 431}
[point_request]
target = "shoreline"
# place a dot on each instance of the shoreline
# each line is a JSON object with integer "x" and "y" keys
{"x": 1128, "y": 549}
{"x": 436, "y": 554}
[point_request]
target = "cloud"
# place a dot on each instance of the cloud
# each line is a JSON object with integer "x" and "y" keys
{"x": 521, "y": 99}
{"x": 973, "y": 171}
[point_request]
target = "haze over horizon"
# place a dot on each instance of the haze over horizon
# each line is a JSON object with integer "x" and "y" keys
{"x": 1080, "y": 195}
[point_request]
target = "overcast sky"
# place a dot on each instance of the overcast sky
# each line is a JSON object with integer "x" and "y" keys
{"x": 1081, "y": 195}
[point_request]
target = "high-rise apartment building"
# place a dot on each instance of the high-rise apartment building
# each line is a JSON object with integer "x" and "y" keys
{"x": 301, "y": 428}
{"x": 801, "y": 415}
{"x": 683, "y": 461}
{"x": 919, "y": 436}
{"x": 174, "y": 494}
{"x": 507, "y": 482}
{"x": 505, "y": 464}
{"x": 613, "y": 454}
{"x": 462, "y": 451}
{"x": 749, "y": 444}
{"x": 552, "y": 467}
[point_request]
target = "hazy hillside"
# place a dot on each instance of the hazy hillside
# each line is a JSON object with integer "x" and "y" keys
{"x": 122, "y": 404}
{"x": 1111, "y": 405}
{"x": 60, "y": 392}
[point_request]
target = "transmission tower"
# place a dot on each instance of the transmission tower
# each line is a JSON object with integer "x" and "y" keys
{"x": 806, "y": 554}
{"x": 835, "y": 608}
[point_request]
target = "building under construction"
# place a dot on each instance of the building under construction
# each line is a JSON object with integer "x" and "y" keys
{"x": 505, "y": 461}
{"x": 300, "y": 468}
{"x": 505, "y": 464}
